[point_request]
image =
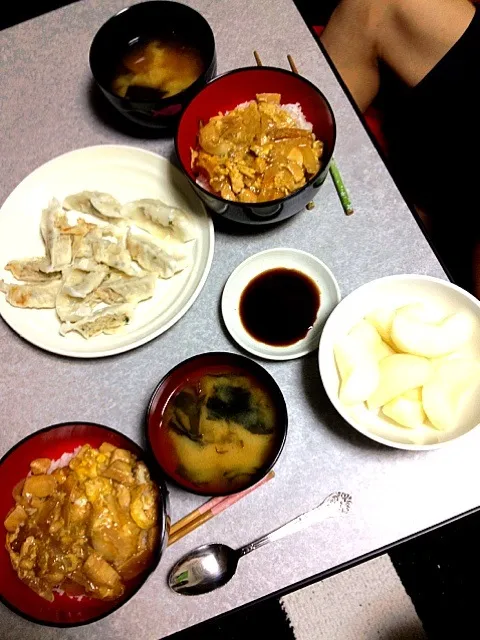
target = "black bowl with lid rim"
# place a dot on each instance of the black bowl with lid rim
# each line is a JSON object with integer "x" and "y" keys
{"x": 155, "y": 19}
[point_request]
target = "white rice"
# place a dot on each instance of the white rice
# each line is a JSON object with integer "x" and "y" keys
{"x": 60, "y": 462}
{"x": 203, "y": 182}
{"x": 63, "y": 460}
{"x": 293, "y": 109}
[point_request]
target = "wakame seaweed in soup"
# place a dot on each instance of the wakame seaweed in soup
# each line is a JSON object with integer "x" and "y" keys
{"x": 221, "y": 430}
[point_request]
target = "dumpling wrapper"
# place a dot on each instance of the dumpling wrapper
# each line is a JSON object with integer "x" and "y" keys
{"x": 382, "y": 318}
{"x": 58, "y": 246}
{"x": 159, "y": 218}
{"x": 48, "y": 227}
{"x": 365, "y": 333}
{"x": 32, "y": 270}
{"x": 79, "y": 202}
{"x": 96, "y": 203}
{"x": 106, "y": 320}
{"x": 132, "y": 290}
{"x": 78, "y": 283}
{"x": 165, "y": 258}
{"x": 73, "y": 309}
{"x": 357, "y": 356}
{"x": 41, "y": 295}
{"x": 114, "y": 254}
{"x": 85, "y": 264}
{"x": 79, "y": 228}
{"x": 82, "y": 246}
{"x": 358, "y": 369}
{"x": 405, "y": 410}
{"x": 106, "y": 205}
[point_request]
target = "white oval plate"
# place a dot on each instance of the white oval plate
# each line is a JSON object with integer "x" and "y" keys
{"x": 394, "y": 292}
{"x": 271, "y": 259}
{"x": 128, "y": 173}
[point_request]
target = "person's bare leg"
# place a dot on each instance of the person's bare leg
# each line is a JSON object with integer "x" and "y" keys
{"x": 410, "y": 36}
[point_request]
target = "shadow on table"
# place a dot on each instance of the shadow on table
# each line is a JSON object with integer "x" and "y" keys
{"x": 327, "y": 414}
{"x": 414, "y": 632}
{"x": 231, "y": 228}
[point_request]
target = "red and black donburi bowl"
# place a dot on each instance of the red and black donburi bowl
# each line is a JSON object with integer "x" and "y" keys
{"x": 224, "y": 93}
{"x": 52, "y": 442}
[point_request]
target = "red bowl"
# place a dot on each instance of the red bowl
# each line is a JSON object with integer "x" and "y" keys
{"x": 224, "y": 93}
{"x": 215, "y": 362}
{"x": 52, "y": 442}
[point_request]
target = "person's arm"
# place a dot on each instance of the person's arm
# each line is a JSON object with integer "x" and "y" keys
{"x": 410, "y": 36}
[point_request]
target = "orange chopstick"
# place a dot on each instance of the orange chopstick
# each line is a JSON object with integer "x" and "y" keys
{"x": 209, "y": 510}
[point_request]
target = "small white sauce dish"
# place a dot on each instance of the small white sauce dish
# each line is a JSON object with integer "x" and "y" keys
{"x": 307, "y": 264}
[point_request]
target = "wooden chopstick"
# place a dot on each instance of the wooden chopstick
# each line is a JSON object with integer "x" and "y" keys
{"x": 257, "y": 59}
{"x": 334, "y": 172}
{"x": 206, "y": 506}
{"x": 209, "y": 510}
{"x": 292, "y": 64}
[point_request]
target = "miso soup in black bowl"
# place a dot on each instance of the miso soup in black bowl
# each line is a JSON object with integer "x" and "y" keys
{"x": 150, "y": 59}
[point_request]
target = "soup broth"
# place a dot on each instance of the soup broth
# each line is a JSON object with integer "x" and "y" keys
{"x": 219, "y": 431}
{"x": 157, "y": 68}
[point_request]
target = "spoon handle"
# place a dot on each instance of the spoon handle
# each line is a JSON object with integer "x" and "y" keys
{"x": 334, "y": 504}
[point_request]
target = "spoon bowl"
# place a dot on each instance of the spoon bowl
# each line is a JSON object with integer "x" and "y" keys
{"x": 204, "y": 569}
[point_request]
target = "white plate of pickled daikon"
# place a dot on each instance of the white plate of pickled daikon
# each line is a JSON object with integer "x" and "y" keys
{"x": 71, "y": 305}
{"x": 400, "y": 361}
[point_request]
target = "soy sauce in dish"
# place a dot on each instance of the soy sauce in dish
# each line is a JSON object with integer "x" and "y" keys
{"x": 279, "y": 306}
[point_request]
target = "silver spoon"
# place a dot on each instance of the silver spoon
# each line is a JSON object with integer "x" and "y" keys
{"x": 212, "y": 565}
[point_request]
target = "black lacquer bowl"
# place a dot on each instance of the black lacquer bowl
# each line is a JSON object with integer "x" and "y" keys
{"x": 151, "y": 20}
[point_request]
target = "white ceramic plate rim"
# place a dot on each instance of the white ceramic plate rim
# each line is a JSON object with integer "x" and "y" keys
{"x": 136, "y": 342}
{"x": 269, "y": 352}
{"x": 322, "y": 358}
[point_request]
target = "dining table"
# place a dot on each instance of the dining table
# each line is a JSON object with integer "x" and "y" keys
{"x": 49, "y": 105}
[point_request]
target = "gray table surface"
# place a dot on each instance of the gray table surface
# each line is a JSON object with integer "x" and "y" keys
{"x": 47, "y": 108}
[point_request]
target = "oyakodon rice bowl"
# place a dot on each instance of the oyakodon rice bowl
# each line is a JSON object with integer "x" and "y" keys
{"x": 256, "y": 144}
{"x": 96, "y": 525}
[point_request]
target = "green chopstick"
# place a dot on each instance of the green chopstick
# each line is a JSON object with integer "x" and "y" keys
{"x": 341, "y": 188}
